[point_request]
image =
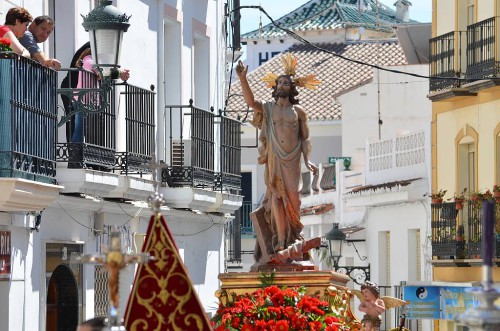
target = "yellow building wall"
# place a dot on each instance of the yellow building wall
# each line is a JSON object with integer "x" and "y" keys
{"x": 481, "y": 114}
{"x": 445, "y": 20}
{"x": 462, "y": 274}
{"x": 485, "y": 9}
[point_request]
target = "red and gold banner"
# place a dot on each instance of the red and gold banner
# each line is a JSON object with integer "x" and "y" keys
{"x": 162, "y": 296}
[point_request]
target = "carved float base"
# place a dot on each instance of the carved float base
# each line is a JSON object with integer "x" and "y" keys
{"x": 316, "y": 282}
{"x": 328, "y": 285}
{"x": 282, "y": 267}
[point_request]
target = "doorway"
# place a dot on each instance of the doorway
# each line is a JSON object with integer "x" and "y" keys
{"x": 63, "y": 286}
{"x": 62, "y": 300}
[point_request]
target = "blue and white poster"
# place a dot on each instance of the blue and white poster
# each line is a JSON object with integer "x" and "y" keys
{"x": 456, "y": 300}
{"x": 424, "y": 302}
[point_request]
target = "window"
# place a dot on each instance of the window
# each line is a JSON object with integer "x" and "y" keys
{"x": 497, "y": 154}
{"x": 466, "y": 149}
{"x": 471, "y": 12}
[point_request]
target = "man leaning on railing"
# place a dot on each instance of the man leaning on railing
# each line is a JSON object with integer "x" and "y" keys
{"x": 39, "y": 30}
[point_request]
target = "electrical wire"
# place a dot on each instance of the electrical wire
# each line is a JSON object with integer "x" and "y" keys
{"x": 70, "y": 216}
{"x": 201, "y": 231}
{"x": 131, "y": 216}
{"x": 374, "y": 66}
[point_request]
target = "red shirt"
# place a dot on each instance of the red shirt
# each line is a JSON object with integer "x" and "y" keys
{"x": 3, "y": 30}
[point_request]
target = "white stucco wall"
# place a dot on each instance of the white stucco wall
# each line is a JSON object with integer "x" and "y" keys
{"x": 198, "y": 236}
{"x": 403, "y": 107}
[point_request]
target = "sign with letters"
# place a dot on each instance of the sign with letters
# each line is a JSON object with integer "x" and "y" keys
{"x": 333, "y": 159}
{"x": 438, "y": 302}
{"x": 5, "y": 254}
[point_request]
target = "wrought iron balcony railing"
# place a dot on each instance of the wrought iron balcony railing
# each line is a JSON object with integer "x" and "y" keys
{"x": 457, "y": 231}
{"x": 139, "y": 131}
{"x": 446, "y": 60}
{"x": 229, "y": 178}
{"x": 191, "y": 160}
{"x": 91, "y": 139}
{"x": 28, "y": 119}
{"x": 471, "y": 54}
{"x": 239, "y": 226}
{"x": 482, "y": 45}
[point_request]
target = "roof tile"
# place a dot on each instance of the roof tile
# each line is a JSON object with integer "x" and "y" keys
{"x": 328, "y": 14}
{"x": 337, "y": 75}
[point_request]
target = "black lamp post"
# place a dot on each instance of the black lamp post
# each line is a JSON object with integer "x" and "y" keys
{"x": 106, "y": 25}
{"x": 335, "y": 237}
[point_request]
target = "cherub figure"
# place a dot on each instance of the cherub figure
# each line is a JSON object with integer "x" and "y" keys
{"x": 373, "y": 305}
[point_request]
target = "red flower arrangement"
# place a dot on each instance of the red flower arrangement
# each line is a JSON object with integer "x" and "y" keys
{"x": 5, "y": 45}
{"x": 275, "y": 309}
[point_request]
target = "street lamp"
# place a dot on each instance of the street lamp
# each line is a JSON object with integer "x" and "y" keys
{"x": 335, "y": 237}
{"x": 106, "y": 25}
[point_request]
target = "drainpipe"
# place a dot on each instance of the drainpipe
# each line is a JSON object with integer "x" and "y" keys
{"x": 236, "y": 22}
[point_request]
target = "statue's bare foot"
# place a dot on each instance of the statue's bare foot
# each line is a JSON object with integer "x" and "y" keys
{"x": 280, "y": 246}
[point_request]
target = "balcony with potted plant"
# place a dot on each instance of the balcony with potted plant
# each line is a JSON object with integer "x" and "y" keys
{"x": 459, "y": 199}
{"x": 496, "y": 193}
{"x": 436, "y": 197}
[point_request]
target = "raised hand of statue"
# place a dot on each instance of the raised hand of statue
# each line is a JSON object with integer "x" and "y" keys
{"x": 241, "y": 70}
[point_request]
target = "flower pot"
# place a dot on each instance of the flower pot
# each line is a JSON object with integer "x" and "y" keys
{"x": 496, "y": 195}
{"x": 459, "y": 204}
{"x": 435, "y": 201}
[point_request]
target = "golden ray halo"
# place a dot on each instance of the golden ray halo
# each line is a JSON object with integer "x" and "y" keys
{"x": 289, "y": 63}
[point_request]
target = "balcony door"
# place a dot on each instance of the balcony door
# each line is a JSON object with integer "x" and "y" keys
{"x": 466, "y": 165}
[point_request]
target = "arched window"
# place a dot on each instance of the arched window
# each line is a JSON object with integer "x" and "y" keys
{"x": 466, "y": 152}
{"x": 496, "y": 135}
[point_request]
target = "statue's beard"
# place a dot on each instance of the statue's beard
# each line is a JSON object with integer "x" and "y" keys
{"x": 282, "y": 94}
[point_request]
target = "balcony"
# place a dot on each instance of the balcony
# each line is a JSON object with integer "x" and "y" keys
{"x": 471, "y": 55}
{"x": 90, "y": 160}
{"x": 395, "y": 172}
{"x": 447, "y": 60}
{"x": 191, "y": 178}
{"x": 457, "y": 233}
{"x": 28, "y": 122}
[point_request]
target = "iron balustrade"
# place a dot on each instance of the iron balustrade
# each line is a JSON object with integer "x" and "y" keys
{"x": 240, "y": 226}
{"x": 28, "y": 119}
{"x": 90, "y": 140}
{"x": 457, "y": 231}
{"x": 445, "y": 60}
{"x": 229, "y": 178}
{"x": 196, "y": 169}
{"x": 482, "y": 58}
{"x": 140, "y": 131}
{"x": 246, "y": 223}
{"x": 233, "y": 237}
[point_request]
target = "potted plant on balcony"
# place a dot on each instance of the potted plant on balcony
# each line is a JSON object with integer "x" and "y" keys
{"x": 459, "y": 199}
{"x": 481, "y": 196}
{"x": 5, "y": 47}
{"x": 496, "y": 192}
{"x": 437, "y": 197}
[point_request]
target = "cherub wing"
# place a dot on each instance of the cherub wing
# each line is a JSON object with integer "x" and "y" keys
{"x": 392, "y": 302}
{"x": 357, "y": 293}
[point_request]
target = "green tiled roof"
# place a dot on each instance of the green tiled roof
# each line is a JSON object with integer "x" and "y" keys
{"x": 327, "y": 14}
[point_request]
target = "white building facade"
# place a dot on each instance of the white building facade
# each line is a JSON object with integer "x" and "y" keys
{"x": 172, "y": 51}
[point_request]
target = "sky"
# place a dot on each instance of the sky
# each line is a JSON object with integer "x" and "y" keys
{"x": 420, "y": 10}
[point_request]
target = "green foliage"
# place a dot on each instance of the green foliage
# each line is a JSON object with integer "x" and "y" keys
{"x": 266, "y": 279}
